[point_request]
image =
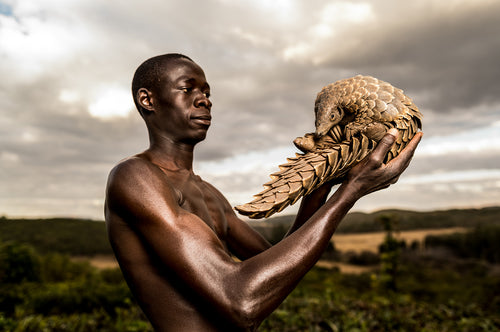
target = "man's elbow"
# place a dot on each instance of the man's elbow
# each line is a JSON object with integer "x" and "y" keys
{"x": 246, "y": 315}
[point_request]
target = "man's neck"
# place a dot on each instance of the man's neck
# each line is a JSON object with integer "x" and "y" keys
{"x": 170, "y": 155}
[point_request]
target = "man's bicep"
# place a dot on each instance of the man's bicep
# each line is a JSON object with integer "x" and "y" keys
{"x": 189, "y": 249}
{"x": 184, "y": 244}
{"x": 243, "y": 240}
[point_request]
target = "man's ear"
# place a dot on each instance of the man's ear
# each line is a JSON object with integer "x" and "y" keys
{"x": 145, "y": 98}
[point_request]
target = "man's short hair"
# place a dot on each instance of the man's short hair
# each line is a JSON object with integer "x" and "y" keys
{"x": 149, "y": 73}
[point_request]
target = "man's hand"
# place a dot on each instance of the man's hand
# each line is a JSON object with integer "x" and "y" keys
{"x": 371, "y": 174}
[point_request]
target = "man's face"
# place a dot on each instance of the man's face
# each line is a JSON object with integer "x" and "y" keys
{"x": 182, "y": 103}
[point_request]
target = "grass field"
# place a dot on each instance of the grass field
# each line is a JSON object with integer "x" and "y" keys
{"x": 371, "y": 241}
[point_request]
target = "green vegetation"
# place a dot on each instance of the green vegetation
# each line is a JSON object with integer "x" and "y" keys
{"x": 430, "y": 299}
{"x": 390, "y": 251}
{"x": 410, "y": 290}
{"x": 50, "y": 292}
{"x": 452, "y": 284}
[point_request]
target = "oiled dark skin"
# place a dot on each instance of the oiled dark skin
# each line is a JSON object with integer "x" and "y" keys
{"x": 176, "y": 236}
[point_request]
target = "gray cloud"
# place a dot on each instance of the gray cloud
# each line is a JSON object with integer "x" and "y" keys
{"x": 265, "y": 61}
{"x": 448, "y": 56}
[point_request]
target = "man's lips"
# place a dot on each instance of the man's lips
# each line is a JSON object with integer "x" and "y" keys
{"x": 202, "y": 119}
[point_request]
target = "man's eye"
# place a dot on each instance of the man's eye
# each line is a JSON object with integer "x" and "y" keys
{"x": 207, "y": 94}
{"x": 186, "y": 90}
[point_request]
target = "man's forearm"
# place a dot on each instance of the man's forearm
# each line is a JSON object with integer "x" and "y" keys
{"x": 274, "y": 273}
{"x": 309, "y": 205}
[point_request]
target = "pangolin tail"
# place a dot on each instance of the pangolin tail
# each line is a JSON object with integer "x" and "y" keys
{"x": 304, "y": 173}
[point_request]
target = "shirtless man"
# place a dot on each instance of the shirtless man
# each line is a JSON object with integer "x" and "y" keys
{"x": 176, "y": 236}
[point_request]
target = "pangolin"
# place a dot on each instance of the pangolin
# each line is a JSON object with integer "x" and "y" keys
{"x": 351, "y": 116}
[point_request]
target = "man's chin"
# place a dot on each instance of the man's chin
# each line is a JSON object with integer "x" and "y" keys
{"x": 199, "y": 137}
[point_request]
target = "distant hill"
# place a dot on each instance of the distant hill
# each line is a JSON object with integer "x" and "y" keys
{"x": 88, "y": 237}
{"x": 69, "y": 236}
{"x": 358, "y": 222}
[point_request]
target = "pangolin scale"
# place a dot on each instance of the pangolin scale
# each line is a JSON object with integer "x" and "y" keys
{"x": 351, "y": 116}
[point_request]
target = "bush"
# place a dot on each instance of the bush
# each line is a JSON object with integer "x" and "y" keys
{"x": 57, "y": 267}
{"x": 364, "y": 258}
{"x": 18, "y": 263}
{"x": 77, "y": 297}
{"x": 481, "y": 243}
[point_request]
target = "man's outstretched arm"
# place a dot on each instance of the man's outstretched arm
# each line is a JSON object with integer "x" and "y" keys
{"x": 246, "y": 292}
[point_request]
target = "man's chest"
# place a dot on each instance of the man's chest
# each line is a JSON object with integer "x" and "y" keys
{"x": 199, "y": 199}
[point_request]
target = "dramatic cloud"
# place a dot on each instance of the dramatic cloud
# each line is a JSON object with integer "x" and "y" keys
{"x": 68, "y": 117}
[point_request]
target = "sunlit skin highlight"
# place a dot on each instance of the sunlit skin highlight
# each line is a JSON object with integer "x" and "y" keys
{"x": 176, "y": 236}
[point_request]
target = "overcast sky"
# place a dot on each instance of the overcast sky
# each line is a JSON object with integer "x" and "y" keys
{"x": 67, "y": 115}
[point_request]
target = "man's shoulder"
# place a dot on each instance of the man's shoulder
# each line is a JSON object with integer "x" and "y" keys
{"x": 133, "y": 179}
{"x": 132, "y": 166}
{"x": 135, "y": 172}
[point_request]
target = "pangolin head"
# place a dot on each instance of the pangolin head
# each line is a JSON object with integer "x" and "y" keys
{"x": 327, "y": 109}
{"x": 327, "y": 116}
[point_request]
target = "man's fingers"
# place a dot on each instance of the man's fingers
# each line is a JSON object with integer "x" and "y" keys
{"x": 384, "y": 145}
{"x": 414, "y": 142}
{"x": 402, "y": 161}
{"x": 409, "y": 150}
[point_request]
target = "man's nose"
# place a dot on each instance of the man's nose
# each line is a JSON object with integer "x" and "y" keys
{"x": 203, "y": 101}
